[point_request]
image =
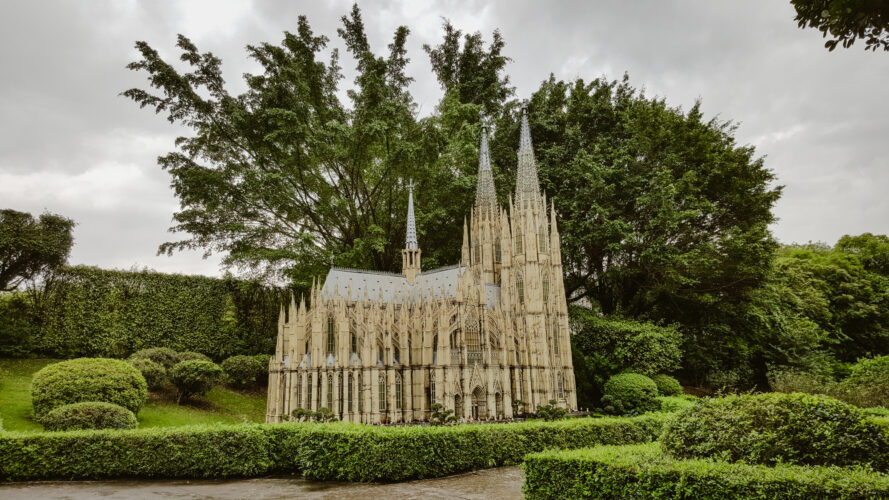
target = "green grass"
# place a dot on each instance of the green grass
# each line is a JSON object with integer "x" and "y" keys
{"x": 220, "y": 406}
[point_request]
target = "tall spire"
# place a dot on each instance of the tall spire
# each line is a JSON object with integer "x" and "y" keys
{"x": 527, "y": 189}
{"x": 411, "y": 240}
{"x": 485, "y": 195}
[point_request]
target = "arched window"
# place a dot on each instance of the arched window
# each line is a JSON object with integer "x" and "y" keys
{"x": 473, "y": 338}
{"x": 330, "y": 334}
{"x": 556, "y": 344}
{"x": 299, "y": 391}
{"x": 396, "y": 358}
{"x": 497, "y": 252}
{"x": 545, "y": 289}
{"x": 498, "y": 404}
{"x": 382, "y": 391}
{"x": 454, "y": 340}
{"x": 308, "y": 392}
{"x": 360, "y": 398}
{"x": 339, "y": 399}
{"x": 520, "y": 289}
{"x": 309, "y": 345}
{"x": 476, "y": 253}
{"x": 351, "y": 392}
{"x": 561, "y": 387}
{"x": 330, "y": 392}
{"x": 398, "y": 392}
{"x": 379, "y": 354}
{"x": 517, "y": 362}
{"x": 541, "y": 239}
{"x": 435, "y": 350}
{"x": 354, "y": 338}
{"x": 432, "y": 389}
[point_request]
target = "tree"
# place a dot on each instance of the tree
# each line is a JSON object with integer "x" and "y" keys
{"x": 846, "y": 21}
{"x": 30, "y": 247}
{"x": 441, "y": 415}
{"x": 551, "y": 412}
{"x": 283, "y": 176}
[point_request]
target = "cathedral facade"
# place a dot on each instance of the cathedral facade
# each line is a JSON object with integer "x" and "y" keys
{"x": 485, "y": 338}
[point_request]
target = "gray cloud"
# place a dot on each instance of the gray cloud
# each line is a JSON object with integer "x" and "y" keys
{"x": 70, "y": 144}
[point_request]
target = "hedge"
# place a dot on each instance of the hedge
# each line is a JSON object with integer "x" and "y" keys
{"x": 335, "y": 451}
{"x": 643, "y": 471}
{"x": 88, "y": 379}
{"x": 90, "y": 312}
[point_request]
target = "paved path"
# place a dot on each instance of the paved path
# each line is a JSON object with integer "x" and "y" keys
{"x": 501, "y": 483}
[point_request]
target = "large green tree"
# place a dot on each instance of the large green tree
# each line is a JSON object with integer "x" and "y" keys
{"x": 30, "y": 247}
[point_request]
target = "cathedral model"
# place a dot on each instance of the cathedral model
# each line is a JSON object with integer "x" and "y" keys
{"x": 485, "y": 338}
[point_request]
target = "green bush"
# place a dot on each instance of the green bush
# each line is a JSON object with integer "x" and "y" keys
{"x": 867, "y": 384}
{"x": 194, "y": 378}
{"x": 778, "y": 428}
{"x": 89, "y": 415}
{"x": 154, "y": 373}
{"x": 667, "y": 385}
{"x": 642, "y": 471}
{"x": 630, "y": 394}
{"x": 337, "y": 451}
{"x": 673, "y": 404}
{"x": 163, "y": 356}
{"x": 88, "y": 379}
{"x": 264, "y": 361}
{"x": 191, "y": 355}
{"x": 788, "y": 381}
{"x": 243, "y": 370}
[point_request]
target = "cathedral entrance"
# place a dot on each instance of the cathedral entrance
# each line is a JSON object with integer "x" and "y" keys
{"x": 479, "y": 404}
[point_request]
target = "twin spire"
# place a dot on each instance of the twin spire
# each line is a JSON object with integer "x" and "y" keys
{"x": 527, "y": 189}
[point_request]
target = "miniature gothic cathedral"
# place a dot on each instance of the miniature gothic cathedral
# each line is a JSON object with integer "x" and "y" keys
{"x": 477, "y": 337}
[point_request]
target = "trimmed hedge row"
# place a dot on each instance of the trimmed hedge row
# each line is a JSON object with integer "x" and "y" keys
{"x": 336, "y": 451}
{"x": 643, "y": 471}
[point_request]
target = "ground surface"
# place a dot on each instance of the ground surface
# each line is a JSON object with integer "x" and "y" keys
{"x": 501, "y": 483}
{"x": 221, "y": 405}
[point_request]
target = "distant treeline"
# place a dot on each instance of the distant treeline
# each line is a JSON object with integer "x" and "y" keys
{"x": 87, "y": 311}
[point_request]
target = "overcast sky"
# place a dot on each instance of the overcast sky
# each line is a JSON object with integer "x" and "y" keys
{"x": 70, "y": 144}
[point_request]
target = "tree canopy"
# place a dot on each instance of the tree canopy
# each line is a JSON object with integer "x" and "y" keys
{"x": 846, "y": 21}
{"x": 30, "y": 247}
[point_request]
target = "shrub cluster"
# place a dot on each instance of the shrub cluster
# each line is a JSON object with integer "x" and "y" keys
{"x": 667, "y": 385}
{"x": 163, "y": 356}
{"x": 778, "y": 428}
{"x": 194, "y": 378}
{"x": 89, "y": 415}
{"x": 191, "y": 355}
{"x": 630, "y": 394}
{"x": 244, "y": 370}
{"x": 88, "y": 379}
{"x": 337, "y": 451}
{"x": 642, "y": 471}
{"x": 154, "y": 373}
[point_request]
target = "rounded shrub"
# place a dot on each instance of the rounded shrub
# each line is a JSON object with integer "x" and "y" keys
{"x": 629, "y": 394}
{"x": 194, "y": 378}
{"x": 243, "y": 370}
{"x": 191, "y": 355}
{"x": 773, "y": 428}
{"x": 264, "y": 361}
{"x": 88, "y": 379}
{"x": 867, "y": 384}
{"x": 154, "y": 373}
{"x": 163, "y": 356}
{"x": 89, "y": 415}
{"x": 667, "y": 385}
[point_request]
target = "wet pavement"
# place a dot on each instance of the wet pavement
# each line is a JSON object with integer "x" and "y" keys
{"x": 503, "y": 483}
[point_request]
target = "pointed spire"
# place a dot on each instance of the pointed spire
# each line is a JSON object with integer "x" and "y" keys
{"x": 527, "y": 189}
{"x": 485, "y": 194}
{"x": 411, "y": 241}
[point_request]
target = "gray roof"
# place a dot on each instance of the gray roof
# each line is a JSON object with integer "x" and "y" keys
{"x": 429, "y": 285}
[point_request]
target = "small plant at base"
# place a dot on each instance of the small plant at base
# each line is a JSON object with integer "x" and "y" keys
{"x": 551, "y": 412}
{"x": 441, "y": 415}
{"x": 305, "y": 415}
{"x": 193, "y": 378}
{"x": 518, "y": 407}
{"x": 89, "y": 415}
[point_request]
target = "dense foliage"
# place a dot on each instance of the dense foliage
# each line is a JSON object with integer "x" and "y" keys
{"x": 243, "y": 370}
{"x": 345, "y": 452}
{"x": 667, "y": 385}
{"x": 155, "y": 374}
{"x": 778, "y": 428}
{"x": 867, "y": 383}
{"x": 194, "y": 378}
{"x": 85, "y": 311}
{"x": 630, "y": 394}
{"x": 846, "y": 21}
{"x": 89, "y": 415}
{"x": 602, "y": 347}
{"x": 164, "y": 356}
{"x": 642, "y": 471}
{"x": 87, "y": 379}
{"x": 30, "y": 248}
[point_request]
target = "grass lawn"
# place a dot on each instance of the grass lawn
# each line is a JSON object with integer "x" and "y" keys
{"x": 221, "y": 405}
